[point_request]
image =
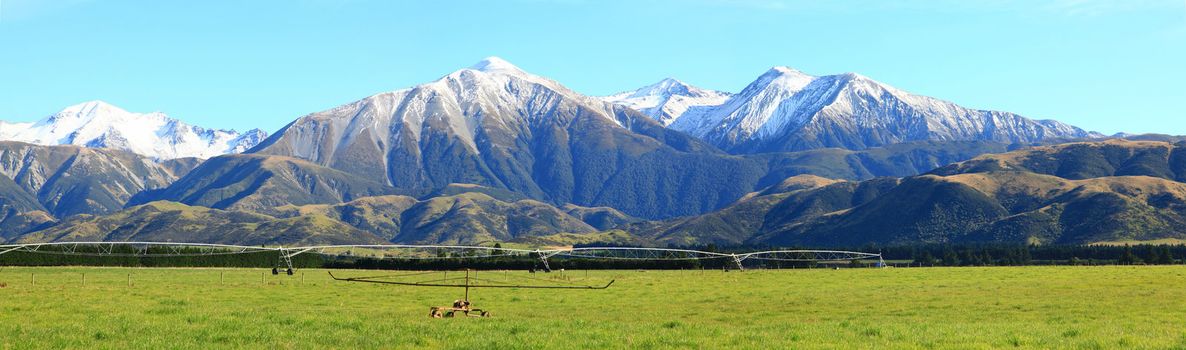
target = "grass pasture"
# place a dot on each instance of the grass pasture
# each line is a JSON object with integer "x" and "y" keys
{"x": 958, "y": 308}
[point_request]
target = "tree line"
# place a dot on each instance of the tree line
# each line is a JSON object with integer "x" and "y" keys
{"x": 178, "y": 257}
{"x": 1018, "y": 255}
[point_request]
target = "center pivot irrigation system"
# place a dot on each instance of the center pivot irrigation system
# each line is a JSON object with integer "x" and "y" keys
{"x": 429, "y": 252}
{"x": 540, "y": 259}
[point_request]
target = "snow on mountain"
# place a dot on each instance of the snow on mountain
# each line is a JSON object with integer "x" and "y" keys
{"x": 788, "y": 110}
{"x": 668, "y": 99}
{"x": 246, "y": 141}
{"x": 99, "y": 124}
{"x": 494, "y": 125}
{"x": 9, "y": 130}
{"x": 492, "y": 92}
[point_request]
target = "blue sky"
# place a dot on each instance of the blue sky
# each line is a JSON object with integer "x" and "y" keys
{"x": 1104, "y": 65}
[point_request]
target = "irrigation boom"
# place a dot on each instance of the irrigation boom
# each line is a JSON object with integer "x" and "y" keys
{"x": 425, "y": 252}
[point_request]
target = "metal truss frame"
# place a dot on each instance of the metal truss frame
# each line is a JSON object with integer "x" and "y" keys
{"x": 407, "y": 251}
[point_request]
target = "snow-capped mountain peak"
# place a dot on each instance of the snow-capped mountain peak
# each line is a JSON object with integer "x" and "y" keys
{"x": 100, "y": 124}
{"x": 784, "y": 70}
{"x": 496, "y": 73}
{"x": 785, "y": 109}
{"x": 495, "y": 64}
{"x": 90, "y": 108}
{"x": 782, "y": 77}
{"x": 466, "y": 105}
{"x": 483, "y": 113}
{"x": 665, "y": 87}
{"x": 668, "y": 99}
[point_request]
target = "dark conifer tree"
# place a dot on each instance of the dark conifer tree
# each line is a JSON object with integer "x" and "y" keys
{"x": 1127, "y": 257}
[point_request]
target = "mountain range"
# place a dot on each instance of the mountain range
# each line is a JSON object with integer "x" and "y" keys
{"x": 494, "y": 153}
{"x": 495, "y": 125}
{"x": 42, "y": 183}
{"x": 98, "y": 124}
{"x": 788, "y": 110}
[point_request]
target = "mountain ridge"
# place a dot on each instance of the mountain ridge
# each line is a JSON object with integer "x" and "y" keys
{"x": 668, "y": 99}
{"x": 511, "y": 155}
{"x": 501, "y": 127}
{"x": 98, "y": 124}
{"x": 785, "y": 109}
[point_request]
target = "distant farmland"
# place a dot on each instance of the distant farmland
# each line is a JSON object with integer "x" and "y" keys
{"x": 992, "y": 307}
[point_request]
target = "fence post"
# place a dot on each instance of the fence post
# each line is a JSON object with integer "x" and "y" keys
{"x": 129, "y": 279}
{"x": 84, "y": 278}
{"x": 221, "y": 278}
{"x": 33, "y": 278}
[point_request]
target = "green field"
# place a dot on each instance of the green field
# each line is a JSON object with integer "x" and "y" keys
{"x": 993, "y": 307}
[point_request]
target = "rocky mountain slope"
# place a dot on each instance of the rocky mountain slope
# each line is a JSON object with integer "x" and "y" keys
{"x": 42, "y": 184}
{"x": 19, "y": 211}
{"x": 68, "y": 180}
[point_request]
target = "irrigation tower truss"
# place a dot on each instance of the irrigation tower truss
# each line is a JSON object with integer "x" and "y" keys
{"x": 403, "y": 251}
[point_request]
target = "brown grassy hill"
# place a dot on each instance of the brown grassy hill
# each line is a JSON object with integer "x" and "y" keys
{"x": 248, "y": 182}
{"x": 1013, "y": 197}
{"x": 465, "y": 218}
{"x": 176, "y": 222}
